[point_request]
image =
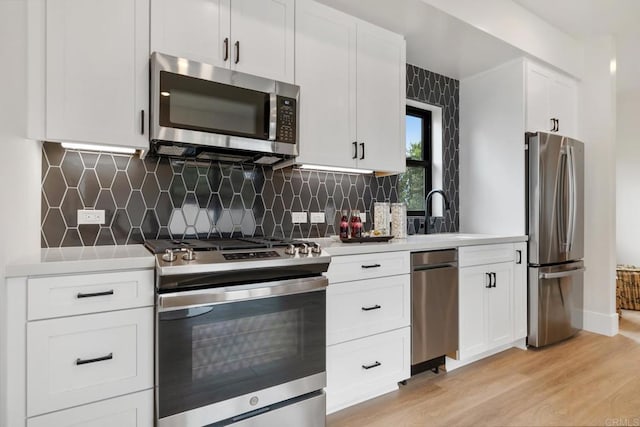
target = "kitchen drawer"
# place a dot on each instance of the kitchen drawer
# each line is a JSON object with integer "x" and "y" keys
{"x": 485, "y": 254}
{"x": 387, "y": 356}
{"x": 357, "y": 267}
{"x": 366, "y": 307}
{"x": 69, "y": 295}
{"x": 133, "y": 410}
{"x": 64, "y": 366}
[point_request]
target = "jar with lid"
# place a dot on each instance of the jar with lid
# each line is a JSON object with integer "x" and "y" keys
{"x": 356, "y": 224}
{"x": 344, "y": 225}
{"x": 399, "y": 220}
{"x": 381, "y": 217}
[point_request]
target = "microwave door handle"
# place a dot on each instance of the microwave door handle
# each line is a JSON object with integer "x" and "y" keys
{"x": 273, "y": 116}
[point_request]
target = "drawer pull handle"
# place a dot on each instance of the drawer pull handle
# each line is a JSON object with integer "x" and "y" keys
{"x": 94, "y": 294}
{"x": 371, "y": 266}
{"x": 373, "y": 365}
{"x": 97, "y": 359}
{"x": 375, "y": 307}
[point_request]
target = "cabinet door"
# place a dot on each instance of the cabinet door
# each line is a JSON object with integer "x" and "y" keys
{"x": 500, "y": 305}
{"x": 97, "y": 74}
{"x": 262, "y": 38}
{"x": 192, "y": 29}
{"x": 537, "y": 100}
{"x": 563, "y": 100}
{"x": 520, "y": 291}
{"x": 381, "y": 93}
{"x": 325, "y": 61}
{"x": 473, "y": 282}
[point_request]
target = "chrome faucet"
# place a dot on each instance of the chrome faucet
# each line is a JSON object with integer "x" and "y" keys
{"x": 428, "y": 219}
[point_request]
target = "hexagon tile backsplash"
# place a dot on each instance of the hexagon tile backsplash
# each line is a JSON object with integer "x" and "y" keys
{"x": 159, "y": 197}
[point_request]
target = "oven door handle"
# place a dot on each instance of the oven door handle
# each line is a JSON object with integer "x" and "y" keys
{"x": 224, "y": 295}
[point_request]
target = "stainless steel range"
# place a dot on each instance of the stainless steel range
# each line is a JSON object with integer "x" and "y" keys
{"x": 240, "y": 332}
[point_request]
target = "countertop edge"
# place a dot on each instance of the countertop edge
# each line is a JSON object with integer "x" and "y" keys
{"x": 414, "y": 243}
{"x": 75, "y": 260}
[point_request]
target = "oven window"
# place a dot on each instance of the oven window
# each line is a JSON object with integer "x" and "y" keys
{"x": 202, "y": 105}
{"x": 214, "y": 353}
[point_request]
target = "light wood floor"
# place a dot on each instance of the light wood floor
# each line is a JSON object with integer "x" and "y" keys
{"x": 588, "y": 380}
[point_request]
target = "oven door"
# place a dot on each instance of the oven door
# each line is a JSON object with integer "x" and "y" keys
{"x": 223, "y": 352}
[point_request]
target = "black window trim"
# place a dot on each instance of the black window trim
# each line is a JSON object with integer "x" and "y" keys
{"x": 425, "y": 163}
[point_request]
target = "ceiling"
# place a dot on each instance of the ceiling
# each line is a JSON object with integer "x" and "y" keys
{"x": 443, "y": 44}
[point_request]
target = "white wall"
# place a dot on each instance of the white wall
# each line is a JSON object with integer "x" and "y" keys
{"x": 515, "y": 25}
{"x": 628, "y": 178}
{"x": 597, "y": 128}
{"x": 492, "y": 192}
{"x": 19, "y": 160}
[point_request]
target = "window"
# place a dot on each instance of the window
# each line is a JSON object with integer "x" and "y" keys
{"x": 415, "y": 183}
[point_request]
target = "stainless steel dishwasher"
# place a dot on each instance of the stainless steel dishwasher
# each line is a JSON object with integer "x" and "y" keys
{"x": 434, "y": 308}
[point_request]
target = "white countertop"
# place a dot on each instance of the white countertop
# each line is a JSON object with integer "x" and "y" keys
{"x": 418, "y": 242}
{"x": 52, "y": 261}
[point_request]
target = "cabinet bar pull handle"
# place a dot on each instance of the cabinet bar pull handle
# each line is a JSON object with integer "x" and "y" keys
{"x": 557, "y": 125}
{"x": 519, "y": 259}
{"x": 355, "y": 150}
{"x": 94, "y": 294}
{"x": 237, "y": 51}
{"x": 141, "y": 122}
{"x": 375, "y": 307}
{"x": 97, "y": 359}
{"x": 488, "y": 280}
{"x": 371, "y": 266}
{"x": 362, "y": 146}
{"x": 226, "y": 49}
{"x": 494, "y": 279}
{"x": 374, "y": 365}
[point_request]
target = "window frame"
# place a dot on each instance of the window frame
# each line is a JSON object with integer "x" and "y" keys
{"x": 426, "y": 162}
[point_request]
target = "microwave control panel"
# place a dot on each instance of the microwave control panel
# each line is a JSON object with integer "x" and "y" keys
{"x": 286, "y": 129}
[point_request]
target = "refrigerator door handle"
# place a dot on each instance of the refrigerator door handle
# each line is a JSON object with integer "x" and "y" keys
{"x": 561, "y": 274}
{"x": 572, "y": 196}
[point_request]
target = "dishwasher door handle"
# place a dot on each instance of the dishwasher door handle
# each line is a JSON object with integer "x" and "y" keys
{"x": 435, "y": 266}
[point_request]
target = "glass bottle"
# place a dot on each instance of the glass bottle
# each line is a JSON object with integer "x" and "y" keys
{"x": 344, "y": 225}
{"x": 356, "y": 224}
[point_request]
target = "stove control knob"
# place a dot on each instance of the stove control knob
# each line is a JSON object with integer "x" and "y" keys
{"x": 189, "y": 255}
{"x": 316, "y": 249}
{"x": 290, "y": 250}
{"x": 169, "y": 256}
{"x": 304, "y": 249}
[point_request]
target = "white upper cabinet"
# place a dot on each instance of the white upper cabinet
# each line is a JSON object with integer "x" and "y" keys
{"x": 551, "y": 101}
{"x": 96, "y": 74}
{"x": 255, "y": 37}
{"x": 352, "y": 91}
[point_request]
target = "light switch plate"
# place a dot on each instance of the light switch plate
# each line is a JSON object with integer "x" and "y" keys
{"x": 317, "y": 217}
{"x": 90, "y": 216}
{"x": 298, "y": 217}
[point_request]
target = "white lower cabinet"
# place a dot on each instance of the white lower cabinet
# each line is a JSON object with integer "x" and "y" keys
{"x": 492, "y": 300}
{"x": 368, "y": 327}
{"x": 77, "y": 360}
{"x": 133, "y": 410}
{"x": 360, "y": 369}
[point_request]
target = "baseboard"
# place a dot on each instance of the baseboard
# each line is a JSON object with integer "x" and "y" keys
{"x": 600, "y": 323}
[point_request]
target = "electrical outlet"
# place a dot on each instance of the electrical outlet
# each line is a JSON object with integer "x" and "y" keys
{"x": 317, "y": 217}
{"x": 298, "y": 217}
{"x": 363, "y": 217}
{"x": 90, "y": 216}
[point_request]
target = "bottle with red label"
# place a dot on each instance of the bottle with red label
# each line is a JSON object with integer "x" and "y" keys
{"x": 344, "y": 225}
{"x": 356, "y": 224}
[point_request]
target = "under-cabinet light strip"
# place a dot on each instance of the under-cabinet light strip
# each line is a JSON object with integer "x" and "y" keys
{"x": 90, "y": 147}
{"x": 336, "y": 169}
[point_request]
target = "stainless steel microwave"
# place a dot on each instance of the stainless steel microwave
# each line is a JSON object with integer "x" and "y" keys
{"x": 207, "y": 112}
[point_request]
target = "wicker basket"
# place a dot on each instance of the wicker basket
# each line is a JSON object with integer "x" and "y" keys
{"x": 627, "y": 287}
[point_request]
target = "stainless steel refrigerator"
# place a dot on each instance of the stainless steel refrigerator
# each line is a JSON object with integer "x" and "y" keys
{"x": 555, "y": 181}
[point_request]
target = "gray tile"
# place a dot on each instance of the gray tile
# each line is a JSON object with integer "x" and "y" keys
{"x": 72, "y": 168}
{"x": 89, "y": 188}
{"x": 54, "y": 186}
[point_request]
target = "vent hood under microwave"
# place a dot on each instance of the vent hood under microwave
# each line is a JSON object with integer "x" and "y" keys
{"x": 206, "y": 112}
